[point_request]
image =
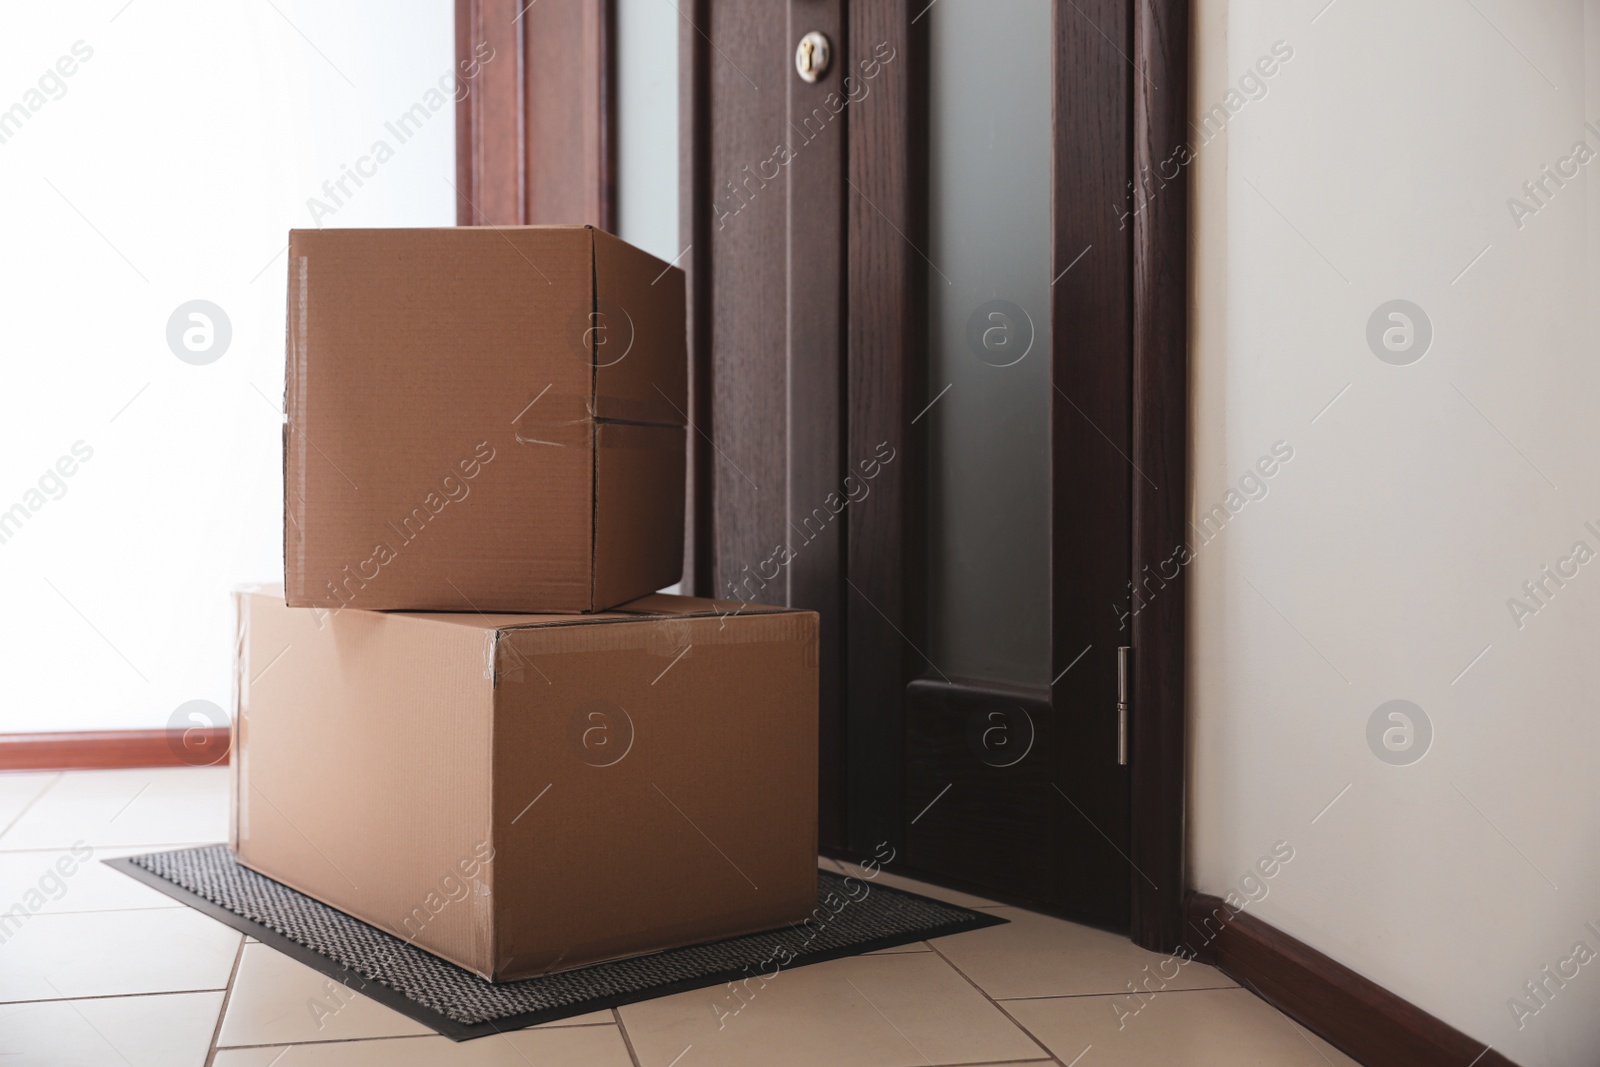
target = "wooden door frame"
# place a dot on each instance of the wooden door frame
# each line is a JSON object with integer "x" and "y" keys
{"x": 502, "y": 142}
{"x": 1161, "y": 450}
{"x": 536, "y": 125}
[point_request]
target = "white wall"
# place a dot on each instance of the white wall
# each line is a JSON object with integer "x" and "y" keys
{"x": 168, "y": 167}
{"x": 1380, "y": 562}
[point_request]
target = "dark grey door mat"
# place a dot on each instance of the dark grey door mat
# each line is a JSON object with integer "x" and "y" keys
{"x": 460, "y": 1005}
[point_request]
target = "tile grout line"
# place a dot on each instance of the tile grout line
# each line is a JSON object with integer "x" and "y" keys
{"x": 1123, "y": 993}
{"x": 29, "y": 806}
{"x": 626, "y": 1040}
{"x": 1293, "y": 1025}
{"x": 558, "y": 1025}
{"x": 227, "y": 995}
{"x": 903, "y": 1035}
{"x": 104, "y": 911}
{"x": 112, "y": 996}
{"x": 997, "y": 1005}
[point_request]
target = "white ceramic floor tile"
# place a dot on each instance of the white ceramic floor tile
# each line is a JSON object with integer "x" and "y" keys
{"x": 899, "y": 1010}
{"x": 280, "y": 1001}
{"x": 160, "y": 1031}
{"x": 1037, "y": 956}
{"x": 139, "y": 806}
{"x": 18, "y": 789}
{"x": 571, "y": 1046}
{"x": 51, "y": 881}
{"x": 112, "y": 953}
{"x": 82, "y": 930}
{"x": 1206, "y": 1028}
{"x": 915, "y": 946}
{"x": 911, "y": 885}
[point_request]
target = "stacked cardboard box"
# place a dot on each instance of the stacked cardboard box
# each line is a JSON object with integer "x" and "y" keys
{"x": 467, "y": 718}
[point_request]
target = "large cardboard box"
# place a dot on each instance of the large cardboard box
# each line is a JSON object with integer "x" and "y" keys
{"x": 482, "y": 418}
{"x": 522, "y": 793}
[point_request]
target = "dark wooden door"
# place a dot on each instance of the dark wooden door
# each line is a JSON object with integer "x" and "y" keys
{"x": 828, "y": 263}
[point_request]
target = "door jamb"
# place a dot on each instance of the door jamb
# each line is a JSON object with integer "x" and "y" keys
{"x": 1160, "y": 449}
{"x": 536, "y": 125}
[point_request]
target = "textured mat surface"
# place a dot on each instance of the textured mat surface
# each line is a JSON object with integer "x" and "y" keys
{"x": 460, "y": 1005}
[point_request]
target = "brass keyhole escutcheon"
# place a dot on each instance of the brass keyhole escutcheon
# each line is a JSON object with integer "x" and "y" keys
{"x": 812, "y": 56}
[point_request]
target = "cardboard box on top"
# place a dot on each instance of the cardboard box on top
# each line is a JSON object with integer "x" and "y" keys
{"x": 482, "y": 418}
{"x": 521, "y": 794}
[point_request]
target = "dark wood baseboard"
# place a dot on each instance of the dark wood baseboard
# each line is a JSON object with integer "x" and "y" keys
{"x": 199, "y": 747}
{"x": 1356, "y": 1015}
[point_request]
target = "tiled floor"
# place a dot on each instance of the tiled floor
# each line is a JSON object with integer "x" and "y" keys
{"x": 106, "y": 971}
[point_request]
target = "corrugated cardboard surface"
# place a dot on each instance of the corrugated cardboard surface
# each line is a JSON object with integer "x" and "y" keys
{"x": 635, "y": 468}
{"x": 638, "y": 297}
{"x": 361, "y": 742}
{"x": 684, "y": 784}
{"x": 645, "y": 778}
{"x": 446, "y": 393}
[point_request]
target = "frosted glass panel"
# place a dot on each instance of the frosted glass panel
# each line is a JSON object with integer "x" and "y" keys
{"x": 989, "y": 339}
{"x": 647, "y": 125}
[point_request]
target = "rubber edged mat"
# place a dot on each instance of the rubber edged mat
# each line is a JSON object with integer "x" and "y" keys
{"x": 853, "y": 916}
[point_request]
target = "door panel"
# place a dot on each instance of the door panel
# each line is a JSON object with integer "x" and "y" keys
{"x": 967, "y": 571}
{"x": 1061, "y": 490}
{"x": 813, "y": 537}
{"x": 981, "y": 809}
{"x": 748, "y": 366}
{"x": 884, "y": 331}
{"x": 766, "y": 158}
{"x": 984, "y": 735}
